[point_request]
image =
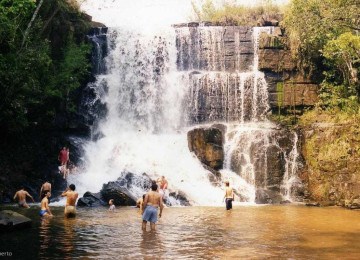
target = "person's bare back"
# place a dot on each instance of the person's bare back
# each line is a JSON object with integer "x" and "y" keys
{"x": 152, "y": 202}
{"x": 71, "y": 197}
{"x": 45, "y": 187}
{"x": 21, "y": 196}
{"x": 153, "y": 199}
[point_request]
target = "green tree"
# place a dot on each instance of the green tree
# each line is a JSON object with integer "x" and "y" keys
{"x": 344, "y": 53}
{"x": 43, "y": 61}
{"x": 312, "y": 23}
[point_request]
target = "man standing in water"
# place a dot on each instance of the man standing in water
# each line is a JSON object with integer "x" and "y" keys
{"x": 229, "y": 196}
{"x": 45, "y": 209}
{"x": 152, "y": 201}
{"x": 71, "y": 197}
{"x": 21, "y": 196}
{"x": 45, "y": 187}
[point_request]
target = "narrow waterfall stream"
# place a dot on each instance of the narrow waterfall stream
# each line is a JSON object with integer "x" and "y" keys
{"x": 160, "y": 81}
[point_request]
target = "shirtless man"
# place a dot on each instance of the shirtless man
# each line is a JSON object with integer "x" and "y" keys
{"x": 152, "y": 201}
{"x": 71, "y": 197}
{"x": 229, "y": 196}
{"x": 45, "y": 209}
{"x": 21, "y": 196}
{"x": 45, "y": 187}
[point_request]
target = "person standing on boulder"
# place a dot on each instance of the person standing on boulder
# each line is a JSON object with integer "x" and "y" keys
{"x": 71, "y": 197}
{"x": 152, "y": 202}
{"x": 229, "y": 196}
{"x": 21, "y": 196}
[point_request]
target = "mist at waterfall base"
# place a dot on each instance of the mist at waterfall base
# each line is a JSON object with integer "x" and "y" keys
{"x": 149, "y": 102}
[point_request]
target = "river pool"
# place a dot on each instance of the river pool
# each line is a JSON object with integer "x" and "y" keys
{"x": 246, "y": 232}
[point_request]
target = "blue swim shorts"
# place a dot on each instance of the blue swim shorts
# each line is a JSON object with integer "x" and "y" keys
{"x": 150, "y": 214}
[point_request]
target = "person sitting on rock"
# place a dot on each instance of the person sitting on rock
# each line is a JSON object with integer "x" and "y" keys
{"x": 112, "y": 206}
{"x": 21, "y": 196}
{"x": 45, "y": 209}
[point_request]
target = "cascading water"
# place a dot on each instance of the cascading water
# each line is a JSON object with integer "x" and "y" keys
{"x": 160, "y": 82}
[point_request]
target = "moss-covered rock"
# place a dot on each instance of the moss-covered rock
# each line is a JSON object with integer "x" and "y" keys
{"x": 332, "y": 153}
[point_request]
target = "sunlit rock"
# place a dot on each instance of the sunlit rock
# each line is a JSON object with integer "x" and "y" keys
{"x": 207, "y": 144}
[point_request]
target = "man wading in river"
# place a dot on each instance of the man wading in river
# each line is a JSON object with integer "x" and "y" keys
{"x": 152, "y": 201}
{"x": 71, "y": 197}
{"x": 229, "y": 196}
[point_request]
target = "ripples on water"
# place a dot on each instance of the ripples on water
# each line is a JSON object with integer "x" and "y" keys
{"x": 254, "y": 232}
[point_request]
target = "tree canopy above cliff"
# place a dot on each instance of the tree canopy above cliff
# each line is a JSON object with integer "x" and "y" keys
{"x": 43, "y": 59}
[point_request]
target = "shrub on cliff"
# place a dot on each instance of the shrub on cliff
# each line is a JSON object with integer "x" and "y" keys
{"x": 324, "y": 39}
{"x": 231, "y": 13}
{"x": 43, "y": 59}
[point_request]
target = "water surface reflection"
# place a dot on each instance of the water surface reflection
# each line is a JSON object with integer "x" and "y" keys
{"x": 254, "y": 232}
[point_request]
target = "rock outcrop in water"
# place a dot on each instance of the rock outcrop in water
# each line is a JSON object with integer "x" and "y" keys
{"x": 91, "y": 200}
{"x": 10, "y": 220}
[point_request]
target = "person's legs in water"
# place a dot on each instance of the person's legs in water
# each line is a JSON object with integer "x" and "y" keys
{"x": 143, "y": 226}
{"x": 152, "y": 226}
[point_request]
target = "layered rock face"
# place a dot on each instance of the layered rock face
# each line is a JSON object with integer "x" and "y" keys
{"x": 288, "y": 88}
{"x": 223, "y": 80}
{"x": 214, "y": 48}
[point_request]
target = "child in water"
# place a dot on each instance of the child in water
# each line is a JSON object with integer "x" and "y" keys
{"x": 112, "y": 206}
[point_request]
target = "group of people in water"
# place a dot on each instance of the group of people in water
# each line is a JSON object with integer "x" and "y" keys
{"x": 45, "y": 193}
{"x": 149, "y": 204}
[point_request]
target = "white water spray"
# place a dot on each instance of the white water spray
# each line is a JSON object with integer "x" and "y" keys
{"x": 145, "y": 129}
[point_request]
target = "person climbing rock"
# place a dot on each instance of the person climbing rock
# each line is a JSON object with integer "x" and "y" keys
{"x": 64, "y": 156}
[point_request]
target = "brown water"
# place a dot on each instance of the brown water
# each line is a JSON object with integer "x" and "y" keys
{"x": 255, "y": 232}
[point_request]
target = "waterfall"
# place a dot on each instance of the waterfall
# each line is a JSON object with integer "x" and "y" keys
{"x": 157, "y": 83}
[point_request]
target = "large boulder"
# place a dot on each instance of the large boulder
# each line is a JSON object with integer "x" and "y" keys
{"x": 207, "y": 144}
{"x": 10, "y": 220}
{"x": 91, "y": 200}
{"x": 120, "y": 190}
